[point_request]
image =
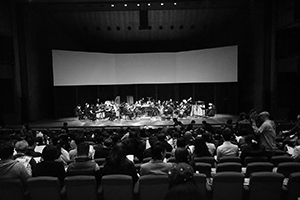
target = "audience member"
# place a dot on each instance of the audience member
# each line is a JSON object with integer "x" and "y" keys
{"x": 156, "y": 165}
{"x": 183, "y": 155}
{"x": 201, "y": 148}
{"x": 207, "y": 137}
{"x": 9, "y": 168}
{"x": 227, "y": 148}
{"x": 49, "y": 166}
{"x": 31, "y": 147}
{"x": 266, "y": 132}
{"x": 28, "y": 162}
{"x": 182, "y": 184}
{"x": 208, "y": 127}
{"x": 252, "y": 148}
{"x": 103, "y": 150}
{"x": 243, "y": 125}
{"x": 118, "y": 163}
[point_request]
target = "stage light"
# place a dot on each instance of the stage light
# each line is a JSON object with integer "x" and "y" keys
{"x": 125, "y": 5}
{"x": 175, "y": 4}
{"x": 161, "y": 4}
{"x": 112, "y": 5}
{"x": 149, "y": 4}
{"x": 138, "y": 5}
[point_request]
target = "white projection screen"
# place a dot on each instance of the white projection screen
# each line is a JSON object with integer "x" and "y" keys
{"x": 215, "y": 65}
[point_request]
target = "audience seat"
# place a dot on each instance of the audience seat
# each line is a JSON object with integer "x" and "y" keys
{"x": 203, "y": 168}
{"x": 229, "y": 167}
{"x": 150, "y": 187}
{"x": 258, "y": 167}
{"x": 11, "y": 189}
{"x": 280, "y": 159}
{"x": 265, "y": 186}
{"x": 44, "y": 187}
{"x": 116, "y": 187}
{"x": 292, "y": 187}
{"x": 100, "y": 161}
{"x": 206, "y": 159}
{"x": 80, "y": 187}
{"x": 147, "y": 159}
{"x": 230, "y": 159}
{"x": 287, "y": 168}
{"x": 228, "y": 185}
{"x": 201, "y": 182}
{"x": 251, "y": 159}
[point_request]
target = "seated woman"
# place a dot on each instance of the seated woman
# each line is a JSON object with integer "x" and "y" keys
{"x": 201, "y": 148}
{"x": 118, "y": 163}
{"x": 49, "y": 166}
{"x": 252, "y": 148}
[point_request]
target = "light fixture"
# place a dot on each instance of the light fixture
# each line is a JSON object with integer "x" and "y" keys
{"x": 175, "y": 4}
{"x": 125, "y": 5}
{"x": 149, "y": 4}
{"x": 112, "y": 5}
{"x": 138, "y": 5}
{"x": 161, "y": 4}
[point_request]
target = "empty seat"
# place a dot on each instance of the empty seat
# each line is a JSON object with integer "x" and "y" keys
{"x": 280, "y": 159}
{"x": 151, "y": 187}
{"x": 80, "y": 187}
{"x": 44, "y": 187}
{"x": 206, "y": 159}
{"x": 258, "y": 167}
{"x": 228, "y": 185}
{"x": 229, "y": 167}
{"x": 265, "y": 186}
{"x": 230, "y": 159}
{"x": 287, "y": 168}
{"x": 251, "y": 159}
{"x": 116, "y": 187}
{"x": 200, "y": 180}
{"x": 203, "y": 168}
{"x": 11, "y": 189}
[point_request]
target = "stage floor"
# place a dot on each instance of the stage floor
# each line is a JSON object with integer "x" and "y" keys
{"x": 153, "y": 122}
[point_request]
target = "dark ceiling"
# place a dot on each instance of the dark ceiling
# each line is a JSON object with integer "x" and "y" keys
{"x": 97, "y": 24}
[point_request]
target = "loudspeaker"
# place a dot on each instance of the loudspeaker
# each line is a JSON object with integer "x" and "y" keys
{"x": 144, "y": 19}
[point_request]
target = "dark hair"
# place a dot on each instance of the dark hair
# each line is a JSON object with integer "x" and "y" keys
{"x": 227, "y": 134}
{"x": 187, "y": 190}
{"x": 157, "y": 151}
{"x": 181, "y": 142}
{"x": 201, "y": 148}
{"x": 50, "y": 153}
{"x": 118, "y": 154}
{"x": 181, "y": 155}
{"x": 83, "y": 149}
{"x": 6, "y": 150}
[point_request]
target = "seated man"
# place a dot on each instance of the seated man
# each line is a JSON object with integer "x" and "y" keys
{"x": 82, "y": 161}
{"x": 156, "y": 165}
{"x": 227, "y": 148}
{"x": 10, "y": 168}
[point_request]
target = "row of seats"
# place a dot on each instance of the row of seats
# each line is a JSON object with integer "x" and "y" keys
{"x": 224, "y": 185}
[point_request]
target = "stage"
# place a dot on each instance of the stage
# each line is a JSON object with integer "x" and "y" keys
{"x": 153, "y": 122}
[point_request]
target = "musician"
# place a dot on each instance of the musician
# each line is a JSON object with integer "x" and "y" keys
{"x": 78, "y": 112}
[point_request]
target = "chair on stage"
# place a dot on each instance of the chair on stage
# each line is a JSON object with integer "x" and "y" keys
{"x": 203, "y": 168}
{"x": 80, "y": 187}
{"x": 116, "y": 187}
{"x": 11, "y": 189}
{"x": 251, "y": 159}
{"x": 280, "y": 159}
{"x": 292, "y": 191}
{"x": 265, "y": 186}
{"x": 151, "y": 187}
{"x": 258, "y": 167}
{"x": 228, "y": 185}
{"x": 229, "y": 167}
{"x": 230, "y": 159}
{"x": 288, "y": 168}
{"x": 44, "y": 187}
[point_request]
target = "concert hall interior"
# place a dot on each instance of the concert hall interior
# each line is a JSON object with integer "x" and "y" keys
{"x": 234, "y": 55}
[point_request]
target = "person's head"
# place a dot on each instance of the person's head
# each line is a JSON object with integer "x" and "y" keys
{"x": 50, "y": 153}
{"x": 193, "y": 122}
{"x": 83, "y": 149}
{"x": 207, "y": 137}
{"x": 118, "y": 153}
{"x": 161, "y": 137}
{"x": 6, "y": 150}
{"x": 181, "y": 155}
{"x": 21, "y": 146}
{"x": 227, "y": 134}
{"x": 182, "y": 185}
{"x": 180, "y": 142}
{"x": 201, "y": 148}
{"x": 158, "y": 151}
{"x": 108, "y": 142}
{"x": 263, "y": 116}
